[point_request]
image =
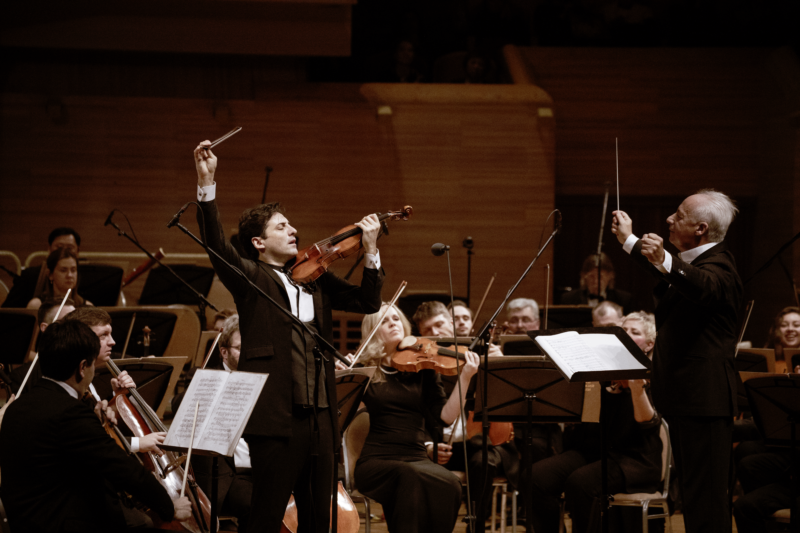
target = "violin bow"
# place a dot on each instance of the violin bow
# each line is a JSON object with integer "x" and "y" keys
{"x": 747, "y": 312}
{"x": 485, "y": 294}
{"x": 378, "y": 324}
{"x": 36, "y": 357}
{"x": 547, "y": 296}
{"x": 191, "y": 445}
{"x": 128, "y": 338}
{"x": 208, "y": 356}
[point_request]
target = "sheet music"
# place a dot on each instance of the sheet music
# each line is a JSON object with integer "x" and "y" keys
{"x": 206, "y": 387}
{"x": 591, "y": 352}
{"x": 228, "y": 417}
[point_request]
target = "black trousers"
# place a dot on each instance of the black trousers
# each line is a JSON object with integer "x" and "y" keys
{"x": 766, "y": 482}
{"x": 282, "y": 466}
{"x": 702, "y": 449}
{"x": 579, "y": 479}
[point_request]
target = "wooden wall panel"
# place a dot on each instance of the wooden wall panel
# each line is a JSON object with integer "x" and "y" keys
{"x": 477, "y": 168}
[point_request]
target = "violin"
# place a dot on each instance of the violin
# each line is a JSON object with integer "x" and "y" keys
{"x": 312, "y": 262}
{"x": 142, "y": 420}
{"x": 347, "y": 518}
{"x": 414, "y": 354}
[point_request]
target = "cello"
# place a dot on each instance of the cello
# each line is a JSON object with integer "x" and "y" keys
{"x": 142, "y": 420}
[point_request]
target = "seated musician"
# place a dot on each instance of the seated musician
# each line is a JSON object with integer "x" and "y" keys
{"x": 57, "y": 461}
{"x": 394, "y": 469}
{"x": 785, "y": 333}
{"x": 522, "y": 315}
{"x": 588, "y": 293}
{"x": 463, "y": 318}
{"x": 62, "y": 265}
{"x": 235, "y": 481}
{"x": 634, "y": 450}
{"x": 33, "y": 279}
{"x": 607, "y": 314}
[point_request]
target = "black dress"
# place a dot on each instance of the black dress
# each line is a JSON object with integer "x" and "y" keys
{"x": 417, "y": 494}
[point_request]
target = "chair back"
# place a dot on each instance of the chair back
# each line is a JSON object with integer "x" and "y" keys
{"x": 666, "y": 456}
{"x": 353, "y": 442}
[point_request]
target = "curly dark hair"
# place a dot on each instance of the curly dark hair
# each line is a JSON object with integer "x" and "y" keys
{"x": 253, "y": 222}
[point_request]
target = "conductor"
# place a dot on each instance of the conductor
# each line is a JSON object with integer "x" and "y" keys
{"x": 293, "y": 427}
{"x": 698, "y": 299}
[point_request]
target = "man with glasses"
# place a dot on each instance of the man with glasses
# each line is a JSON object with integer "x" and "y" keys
{"x": 522, "y": 316}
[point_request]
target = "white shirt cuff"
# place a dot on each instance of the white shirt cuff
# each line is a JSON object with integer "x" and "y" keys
{"x": 373, "y": 261}
{"x": 629, "y": 242}
{"x": 666, "y": 266}
{"x": 206, "y": 194}
{"x": 134, "y": 444}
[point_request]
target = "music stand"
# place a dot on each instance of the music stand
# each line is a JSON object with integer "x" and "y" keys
{"x": 525, "y": 390}
{"x": 18, "y": 328}
{"x": 747, "y": 361}
{"x": 155, "y": 379}
{"x": 100, "y": 284}
{"x": 519, "y": 345}
{"x": 791, "y": 356}
{"x": 161, "y": 324}
{"x": 351, "y": 384}
{"x": 161, "y": 287}
{"x": 775, "y": 403}
{"x": 618, "y": 365}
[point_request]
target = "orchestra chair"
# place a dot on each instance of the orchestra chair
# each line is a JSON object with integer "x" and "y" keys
{"x": 4, "y": 290}
{"x": 10, "y": 261}
{"x": 352, "y": 443}
{"x": 499, "y": 488}
{"x": 655, "y": 499}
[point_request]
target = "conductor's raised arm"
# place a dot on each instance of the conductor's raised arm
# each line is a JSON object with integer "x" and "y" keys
{"x": 206, "y": 164}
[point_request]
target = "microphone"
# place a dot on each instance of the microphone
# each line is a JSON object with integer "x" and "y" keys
{"x": 110, "y": 216}
{"x": 439, "y": 249}
{"x": 177, "y": 216}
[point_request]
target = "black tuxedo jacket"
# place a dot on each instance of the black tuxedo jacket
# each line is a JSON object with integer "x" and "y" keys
{"x": 697, "y": 309}
{"x": 60, "y": 468}
{"x": 267, "y": 333}
{"x": 24, "y": 286}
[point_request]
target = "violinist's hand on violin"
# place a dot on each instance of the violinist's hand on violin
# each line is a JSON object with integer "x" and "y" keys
{"x": 104, "y": 412}
{"x": 444, "y": 451}
{"x": 206, "y": 164}
{"x": 183, "y": 508}
{"x": 370, "y": 227}
{"x": 342, "y": 366}
{"x": 150, "y": 442}
{"x": 621, "y": 226}
{"x": 653, "y": 248}
{"x": 471, "y": 367}
{"x": 123, "y": 381}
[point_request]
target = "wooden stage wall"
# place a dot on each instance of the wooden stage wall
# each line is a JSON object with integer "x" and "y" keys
{"x": 471, "y": 161}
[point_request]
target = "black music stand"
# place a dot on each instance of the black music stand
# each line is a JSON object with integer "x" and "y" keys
{"x": 151, "y": 378}
{"x": 775, "y": 403}
{"x": 161, "y": 324}
{"x": 350, "y": 388}
{"x": 631, "y": 365}
{"x": 566, "y": 316}
{"x": 161, "y": 287}
{"x": 18, "y": 329}
{"x": 100, "y": 284}
{"x": 525, "y": 390}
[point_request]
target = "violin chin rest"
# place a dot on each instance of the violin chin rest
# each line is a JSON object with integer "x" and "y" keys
{"x": 407, "y": 342}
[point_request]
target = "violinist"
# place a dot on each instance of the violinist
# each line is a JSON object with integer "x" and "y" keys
{"x": 62, "y": 267}
{"x": 634, "y": 450}
{"x": 293, "y": 427}
{"x": 522, "y": 316}
{"x": 785, "y": 333}
{"x": 56, "y": 459}
{"x": 606, "y": 314}
{"x": 589, "y": 293}
{"x": 462, "y": 316}
{"x": 33, "y": 279}
{"x": 394, "y": 469}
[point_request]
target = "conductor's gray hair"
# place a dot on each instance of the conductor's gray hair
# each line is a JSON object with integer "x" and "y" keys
{"x": 717, "y": 210}
{"x": 522, "y": 303}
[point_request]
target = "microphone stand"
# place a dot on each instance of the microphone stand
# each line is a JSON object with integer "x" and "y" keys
{"x": 600, "y": 246}
{"x": 468, "y": 243}
{"x": 484, "y": 334}
{"x": 202, "y": 301}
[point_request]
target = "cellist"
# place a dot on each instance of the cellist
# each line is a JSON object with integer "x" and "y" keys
{"x": 56, "y": 459}
{"x": 293, "y": 428}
